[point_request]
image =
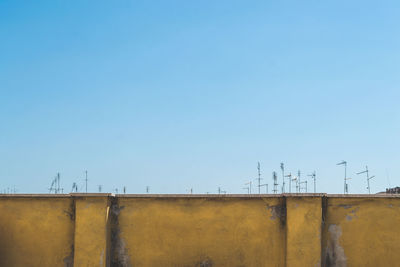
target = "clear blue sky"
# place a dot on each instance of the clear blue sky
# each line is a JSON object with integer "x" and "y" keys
{"x": 191, "y": 94}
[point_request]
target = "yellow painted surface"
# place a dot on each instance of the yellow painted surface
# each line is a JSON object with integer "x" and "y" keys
{"x": 199, "y": 230}
{"x": 304, "y": 216}
{"x": 202, "y": 231}
{"x": 91, "y": 231}
{"x": 36, "y": 231}
{"x": 362, "y": 231}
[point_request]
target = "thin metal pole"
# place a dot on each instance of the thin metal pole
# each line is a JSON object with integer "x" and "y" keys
{"x": 314, "y": 180}
{"x": 86, "y": 180}
{"x": 283, "y": 177}
{"x": 58, "y": 182}
{"x": 366, "y": 168}
{"x": 259, "y": 178}
{"x": 345, "y": 178}
{"x": 298, "y": 182}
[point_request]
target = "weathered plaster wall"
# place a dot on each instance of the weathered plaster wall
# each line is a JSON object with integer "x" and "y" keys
{"x": 199, "y": 230}
{"x": 361, "y": 231}
{"x": 36, "y": 231}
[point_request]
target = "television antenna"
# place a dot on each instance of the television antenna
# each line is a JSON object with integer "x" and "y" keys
{"x": 313, "y": 176}
{"x": 346, "y": 187}
{"x": 74, "y": 187}
{"x": 295, "y": 179}
{"x": 275, "y": 178}
{"x": 249, "y": 183}
{"x": 298, "y": 182}
{"x": 55, "y": 185}
{"x": 368, "y": 178}
{"x": 304, "y": 182}
{"x": 283, "y": 177}
{"x": 290, "y": 182}
{"x": 86, "y": 180}
{"x": 259, "y": 177}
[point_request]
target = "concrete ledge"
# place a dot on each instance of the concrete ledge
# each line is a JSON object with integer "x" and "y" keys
{"x": 200, "y": 195}
{"x": 35, "y": 195}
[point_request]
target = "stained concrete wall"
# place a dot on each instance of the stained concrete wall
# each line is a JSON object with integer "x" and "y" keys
{"x": 36, "y": 231}
{"x": 361, "y": 231}
{"x": 210, "y": 231}
{"x": 199, "y": 230}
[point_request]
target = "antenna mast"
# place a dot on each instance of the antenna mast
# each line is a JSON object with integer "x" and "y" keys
{"x": 249, "y": 183}
{"x": 298, "y": 183}
{"x": 313, "y": 176}
{"x": 74, "y": 187}
{"x": 346, "y": 187}
{"x": 295, "y": 179}
{"x": 58, "y": 183}
{"x": 55, "y": 185}
{"x": 259, "y": 177}
{"x": 283, "y": 177}
{"x": 368, "y": 178}
{"x": 275, "y": 178}
{"x": 290, "y": 182}
{"x": 86, "y": 180}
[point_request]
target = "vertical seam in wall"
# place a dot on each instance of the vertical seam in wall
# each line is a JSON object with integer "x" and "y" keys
{"x": 108, "y": 230}
{"x": 284, "y": 207}
{"x": 324, "y": 205}
{"x": 74, "y": 228}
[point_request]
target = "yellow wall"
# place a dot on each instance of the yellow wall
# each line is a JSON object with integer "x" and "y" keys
{"x": 36, "y": 231}
{"x": 362, "y": 231}
{"x": 195, "y": 230}
{"x": 200, "y": 231}
{"x": 91, "y": 228}
{"x": 303, "y": 231}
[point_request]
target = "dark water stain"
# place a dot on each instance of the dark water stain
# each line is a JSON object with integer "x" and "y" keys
{"x": 119, "y": 256}
{"x": 334, "y": 256}
{"x": 69, "y": 260}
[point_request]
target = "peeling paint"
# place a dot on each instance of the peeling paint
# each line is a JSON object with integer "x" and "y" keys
{"x": 352, "y": 214}
{"x": 355, "y": 210}
{"x": 276, "y": 211}
{"x": 101, "y": 257}
{"x": 69, "y": 260}
{"x": 345, "y": 206}
{"x": 205, "y": 263}
{"x": 335, "y": 256}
